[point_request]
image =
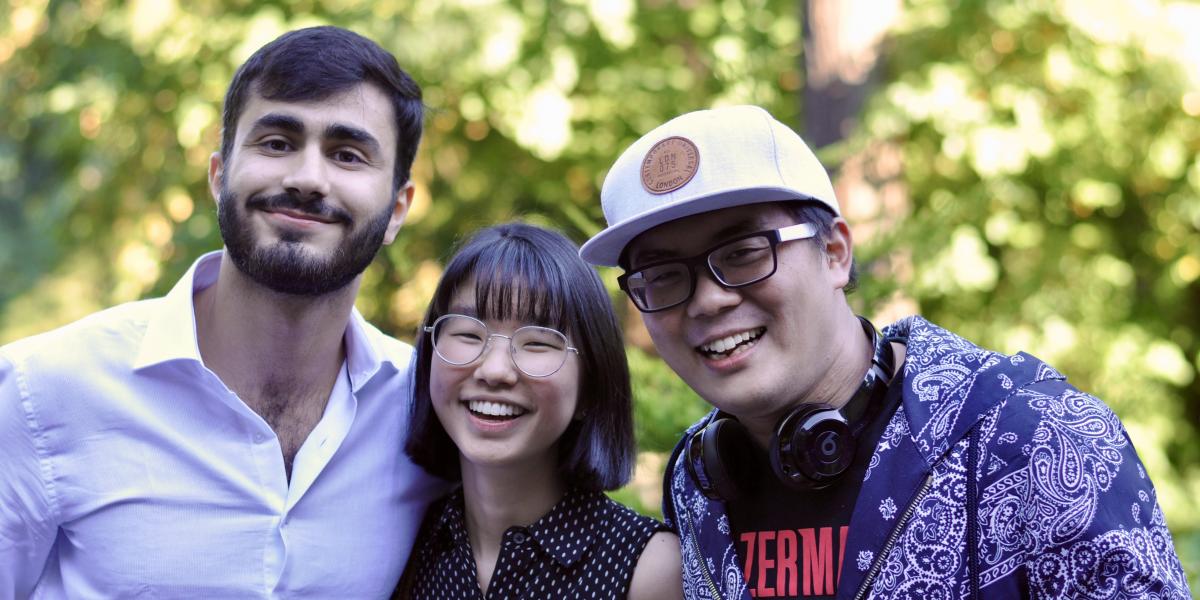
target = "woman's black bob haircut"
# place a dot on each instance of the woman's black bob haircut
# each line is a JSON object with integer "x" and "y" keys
{"x": 533, "y": 275}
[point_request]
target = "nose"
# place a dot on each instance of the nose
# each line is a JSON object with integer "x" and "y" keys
{"x": 496, "y": 365}
{"x": 711, "y": 298}
{"x": 307, "y": 178}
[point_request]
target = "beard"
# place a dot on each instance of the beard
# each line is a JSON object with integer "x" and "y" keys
{"x": 287, "y": 266}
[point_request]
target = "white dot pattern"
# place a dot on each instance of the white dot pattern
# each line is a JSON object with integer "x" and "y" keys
{"x": 585, "y": 547}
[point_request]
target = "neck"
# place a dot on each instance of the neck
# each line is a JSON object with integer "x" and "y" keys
{"x": 251, "y": 336}
{"x": 849, "y": 359}
{"x": 496, "y": 498}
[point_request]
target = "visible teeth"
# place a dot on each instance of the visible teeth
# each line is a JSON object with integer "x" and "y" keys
{"x": 495, "y": 409}
{"x": 731, "y": 342}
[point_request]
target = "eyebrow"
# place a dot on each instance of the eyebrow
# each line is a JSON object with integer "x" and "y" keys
{"x": 336, "y": 131}
{"x": 278, "y": 121}
{"x": 741, "y": 227}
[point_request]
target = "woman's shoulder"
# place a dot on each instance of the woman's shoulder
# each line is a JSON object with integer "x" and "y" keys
{"x": 620, "y": 516}
{"x": 659, "y": 570}
{"x": 656, "y": 572}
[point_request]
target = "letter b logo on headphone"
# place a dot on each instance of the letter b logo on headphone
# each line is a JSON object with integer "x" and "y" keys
{"x": 827, "y": 445}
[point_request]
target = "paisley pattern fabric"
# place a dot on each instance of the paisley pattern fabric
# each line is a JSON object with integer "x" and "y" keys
{"x": 995, "y": 477}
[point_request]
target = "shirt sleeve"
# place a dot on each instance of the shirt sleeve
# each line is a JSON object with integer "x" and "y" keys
{"x": 1093, "y": 508}
{"x": 28, "y": 526}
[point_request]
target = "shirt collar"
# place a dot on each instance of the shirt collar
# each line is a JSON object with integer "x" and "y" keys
{"x": 363, "y": 358}
{"x": 579, "y": 513}
{"x": 564, "y": 533}
{"x": 171, "y": 329}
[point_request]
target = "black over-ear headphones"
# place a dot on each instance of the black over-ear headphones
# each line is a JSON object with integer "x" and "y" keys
{"x": 811, "y": 447}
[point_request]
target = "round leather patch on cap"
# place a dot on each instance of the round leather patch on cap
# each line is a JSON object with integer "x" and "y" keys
{"x": 669, "y": 165}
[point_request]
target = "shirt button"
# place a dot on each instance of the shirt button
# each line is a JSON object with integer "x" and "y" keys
{"x": 519, "y": 537}
{"x": 258, "y": 438}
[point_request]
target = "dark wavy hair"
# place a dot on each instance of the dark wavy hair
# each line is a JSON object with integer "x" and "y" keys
{"x": 317, "y": 62}
{"x": 534, "y": 275}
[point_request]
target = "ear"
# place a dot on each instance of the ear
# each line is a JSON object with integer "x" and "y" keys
{"x": 404, "y": 198}
{"x": 839, "y": 252}
{"x": 216, "y": 170}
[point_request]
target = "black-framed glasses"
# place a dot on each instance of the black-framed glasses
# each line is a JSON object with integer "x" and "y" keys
{"x": 734, "y": 263}
{"x": 535, "y": 351}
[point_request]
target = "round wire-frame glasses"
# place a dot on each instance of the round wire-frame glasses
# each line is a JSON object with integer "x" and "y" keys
{"x": 536, "y": 351}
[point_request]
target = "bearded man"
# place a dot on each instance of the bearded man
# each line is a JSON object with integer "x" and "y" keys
{"x": 239, "y": 437}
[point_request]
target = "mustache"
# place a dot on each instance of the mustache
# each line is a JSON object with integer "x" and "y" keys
{"x": 316, "y": 207}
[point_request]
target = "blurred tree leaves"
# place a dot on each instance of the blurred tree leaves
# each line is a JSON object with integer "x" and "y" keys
{"x": 1033, "y": 164}
{"x": 1049, "y": 154}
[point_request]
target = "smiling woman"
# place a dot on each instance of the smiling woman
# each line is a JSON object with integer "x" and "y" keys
{"x": 522, "y": 394}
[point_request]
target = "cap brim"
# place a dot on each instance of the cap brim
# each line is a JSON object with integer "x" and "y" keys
{"x": 605, "y": 248}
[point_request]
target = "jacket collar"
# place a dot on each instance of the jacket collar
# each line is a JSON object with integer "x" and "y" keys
{"x": 950, "y": 383}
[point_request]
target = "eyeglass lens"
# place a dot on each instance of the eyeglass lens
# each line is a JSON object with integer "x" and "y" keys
{"x": 740, "y": 262}
{"x": 536, "y": 351}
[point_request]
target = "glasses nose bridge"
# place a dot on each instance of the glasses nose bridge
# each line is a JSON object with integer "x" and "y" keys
{"x": 701, "y": 263}
{"x": 488, "y": 345}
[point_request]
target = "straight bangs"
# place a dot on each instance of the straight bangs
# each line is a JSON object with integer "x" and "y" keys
{"x": 514, "y": 282}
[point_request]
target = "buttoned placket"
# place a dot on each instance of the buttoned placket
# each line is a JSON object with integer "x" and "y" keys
{"x": 278, "y": 495}
{"x": 516, "y": 554}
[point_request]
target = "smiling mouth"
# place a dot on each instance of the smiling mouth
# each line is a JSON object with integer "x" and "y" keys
{"x": 302, "y": 216}
{"x": 731, "y": 345}
{"x": 494, "y": 411}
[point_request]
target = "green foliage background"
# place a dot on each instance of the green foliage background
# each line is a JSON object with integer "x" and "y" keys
{"x": 1037, "y": 164}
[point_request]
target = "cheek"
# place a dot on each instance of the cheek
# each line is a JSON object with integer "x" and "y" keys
{"x": 562, "y": 393}
{"x": 442, "y": 384}
{"x": 249, "y": 171}
{"x": 666, "y": 333}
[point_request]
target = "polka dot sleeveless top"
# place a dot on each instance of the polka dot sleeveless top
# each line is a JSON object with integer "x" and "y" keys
{"x": 585, "y": 547}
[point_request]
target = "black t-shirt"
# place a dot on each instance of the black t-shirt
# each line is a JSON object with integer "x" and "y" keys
{"x": 792, "y": 543}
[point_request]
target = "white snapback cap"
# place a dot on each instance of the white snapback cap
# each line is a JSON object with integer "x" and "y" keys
{"x": 699, "y": 162}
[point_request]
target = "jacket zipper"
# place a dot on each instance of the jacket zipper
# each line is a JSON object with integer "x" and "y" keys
{"x": 712, "y": 587}
{"x": 869, "y": 581}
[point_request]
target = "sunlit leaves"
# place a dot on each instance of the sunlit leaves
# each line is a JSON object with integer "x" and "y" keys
{"x": 1049, "y": 155}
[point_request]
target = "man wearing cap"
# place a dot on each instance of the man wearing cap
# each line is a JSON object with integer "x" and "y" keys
{"x": 839, "y": 461}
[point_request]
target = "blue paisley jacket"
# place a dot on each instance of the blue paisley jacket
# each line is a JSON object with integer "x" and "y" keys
{"x": 995, "y": 477}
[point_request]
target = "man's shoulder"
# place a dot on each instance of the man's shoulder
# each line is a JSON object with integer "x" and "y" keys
{"x": 1055, "y": 407}
{"x": 950, "y": 383}
{"x": 929, "y": 345}
{"x": 937, "y": 353}
{"x": 112, "y": 332}
{"x": 1025, "y": 391}
{"x": 389, "y": 348}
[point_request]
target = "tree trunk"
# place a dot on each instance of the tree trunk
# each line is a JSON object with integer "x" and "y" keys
{"x": 841, "y": 52}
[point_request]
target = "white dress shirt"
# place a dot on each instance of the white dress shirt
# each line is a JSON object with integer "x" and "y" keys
{"x": 129, "y": 470}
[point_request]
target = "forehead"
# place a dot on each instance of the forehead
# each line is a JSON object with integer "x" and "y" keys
{"x": 690, "y": 235}
{"x": 363, "y": 107}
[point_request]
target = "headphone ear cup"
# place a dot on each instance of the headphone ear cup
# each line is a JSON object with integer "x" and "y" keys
{"x": 812, "y": 447}
{"x": 720, "y": 459}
